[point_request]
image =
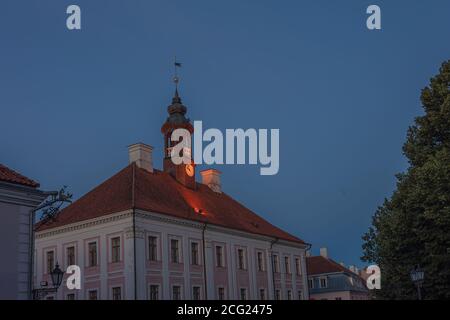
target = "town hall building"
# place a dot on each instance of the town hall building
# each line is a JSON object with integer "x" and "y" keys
{"x": 159, "y": 234}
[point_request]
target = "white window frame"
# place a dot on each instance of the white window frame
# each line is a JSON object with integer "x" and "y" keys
{"x": 150, "y": 285}
{"x": 158, "y": 245}
{"x": 110, "y": 238}
{"x": 46, "y": 252}
{"x": 222, "y": 255}
{"x": 112, "y": 294}
{"x": 276, "y": 263}
{"x": 92, "y": 289}
{"x": 298, "y": 266}
{"x": 244, "y": 258}
{"x": 199, "y": 255}
{"x": 326, "y": 282}
{"x": 201, "y": 291}
{"x": 311, "y": 283}
{"x": 240, "y": 293}
{"x": 97, "y": 260}
{"x": 181, "y": 291}
{"x": 224, "y": 292}
{"x": 287, "y": 267}
{"x": 263, "y": 262}
{"x": 265, "y": 293}
{"x": 180, "y": 249}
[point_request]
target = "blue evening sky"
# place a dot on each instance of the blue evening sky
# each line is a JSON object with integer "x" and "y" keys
{"x": 341, "y": 95}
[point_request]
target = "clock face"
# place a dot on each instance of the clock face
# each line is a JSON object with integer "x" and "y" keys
{"x": 190, "y": 170}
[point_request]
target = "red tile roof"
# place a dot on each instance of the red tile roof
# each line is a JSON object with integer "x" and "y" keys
{"x": 318, "y": 265}
{"x": 159, "y": 192}
{"x": 11, "y": 176}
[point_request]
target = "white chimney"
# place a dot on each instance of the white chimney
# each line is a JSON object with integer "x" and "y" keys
{"x": 211, "y": 178}
{"x": 324, "y": 252}
{"x": 308, "y": 253}
{"x": 352, "y": 269}
{"x": 141, "y": 154}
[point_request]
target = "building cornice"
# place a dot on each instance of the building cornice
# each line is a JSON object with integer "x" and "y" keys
{"x": 162, "y": 218}
{"x": 21, "y": 195}
{"x": 84, "y": 224}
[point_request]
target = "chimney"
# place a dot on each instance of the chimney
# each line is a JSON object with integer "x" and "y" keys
{"x": 352, "y": 269}
{"x": 211, "y": 178}
{"x": 324, "y": 252}
{"x": 308, "y": 253}
{"x": 141, "y": 154}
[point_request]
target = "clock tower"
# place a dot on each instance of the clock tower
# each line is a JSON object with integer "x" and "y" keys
{"x": 183, "y": 173}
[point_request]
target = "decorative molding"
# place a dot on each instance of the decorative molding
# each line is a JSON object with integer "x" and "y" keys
{"x": 84, "y": 224}
{"x": 161, "y": 218}
{"x": 137, "y": 233}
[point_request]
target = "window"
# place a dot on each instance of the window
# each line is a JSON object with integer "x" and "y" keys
{"x": 174, "y": 251}
{"x": 311, "y": 283}
{"x": 219, "y": 256}
{"x": 70, "y": 254}
{"x": 70, "y": 296}
{"x": 194, "y": 253}
{"x": 152, "y": 248}
{"x": 115, "y": 249}
{"x": 243, "y": 294}
{"x": 323, "y": 282}
{"x": 92, "y": 251}
{"x": 50, "y": 261}
{"x": 338, "y": 298}
{"x": 241, "y": 259}
{"x": 300, "y": 295}
{"x": 262, "y": 294}
{"x": 289, "y": 295}
{"x": 276, "y": 264}
{"x": 92, "y": 295}
{"x": 117, "y": 293}
{"x": 277, "y": 294}
{"x": 221, "y": 294}
{"x": 196, "y": 293}
{"x": 298, "y": 266}
{"x": 287, "y": 265}
{"x": 154, "y": 292}
{"x": 260, "y": 259}
{"x": 176, "y": 292}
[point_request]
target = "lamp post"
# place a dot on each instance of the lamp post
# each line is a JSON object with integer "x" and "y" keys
{"x": 57, "y": 276}
{"x": 50, "y": 208}
{"x": 417, "y": 276}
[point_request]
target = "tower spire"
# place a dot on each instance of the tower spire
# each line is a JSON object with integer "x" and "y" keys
{"x": 176, "y": 79}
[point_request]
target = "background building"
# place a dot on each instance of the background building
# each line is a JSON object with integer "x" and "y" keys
{"x": 19, "y": 195}
{"x": 151, "y": 234}
{"x": 329, "y": 280}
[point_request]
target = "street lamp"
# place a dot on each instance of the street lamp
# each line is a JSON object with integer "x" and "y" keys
{"x": 417, "y": 276}
{"x": 57, "y": 276}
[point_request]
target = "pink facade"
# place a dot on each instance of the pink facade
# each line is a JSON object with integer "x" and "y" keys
{"x": 170, "y": 260}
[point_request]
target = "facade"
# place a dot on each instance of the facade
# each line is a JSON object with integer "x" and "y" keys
{"x": 328, "y": 280}
{"x": 19, "y": 195}
{"x": 151, "y": 234}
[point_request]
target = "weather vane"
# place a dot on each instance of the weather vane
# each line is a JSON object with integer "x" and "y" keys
{"x": 177, "y": 65}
